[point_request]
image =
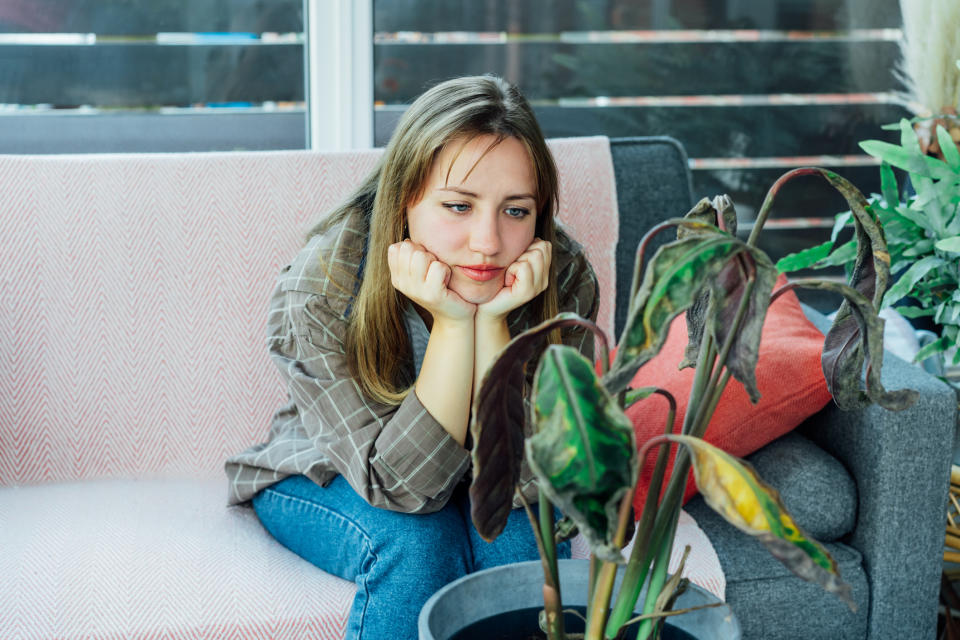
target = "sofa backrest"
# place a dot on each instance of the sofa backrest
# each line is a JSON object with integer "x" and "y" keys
{"x": 653, "y": 184}
{"x": 134, "y": 291}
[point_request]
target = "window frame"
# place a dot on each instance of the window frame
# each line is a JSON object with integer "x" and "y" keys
{"x": 339, "y": 74}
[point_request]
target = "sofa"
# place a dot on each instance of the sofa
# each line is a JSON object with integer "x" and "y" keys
{"x": 133, "y": 362}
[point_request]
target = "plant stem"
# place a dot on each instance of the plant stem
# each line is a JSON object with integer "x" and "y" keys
{"x": 639, "y": 561}
{"x": 594, "y": 571}
{"x": 599, "y": 603}
{"x": 768, "y": 200}
{"x": 552, "y": 600}
{"x": 641, "y": 250}
{"x": 706, "y": 403}
{"x": 551, "y": 580}
{"x": 636, "y": 573}
{"x": 701, "y": 379}
{"x": 657, "y": 578}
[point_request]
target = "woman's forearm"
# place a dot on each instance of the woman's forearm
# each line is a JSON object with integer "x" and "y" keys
{"x": 445, "y": 383}
{"x": 492, "y": 335}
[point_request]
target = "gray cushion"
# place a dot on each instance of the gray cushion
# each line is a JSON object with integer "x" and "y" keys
{"x": 816, "y": 489}
{"x": 772, "y": 603}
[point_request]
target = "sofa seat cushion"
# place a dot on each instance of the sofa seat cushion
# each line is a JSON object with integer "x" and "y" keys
{"x": 150, "y": 559}
{"x": 816, "y": 489}
{"x": 769, "y": 601}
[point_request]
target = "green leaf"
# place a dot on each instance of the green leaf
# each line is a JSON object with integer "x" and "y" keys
{"x": 942, "y": 315}
{"x": 672, "y": 282}
{"x": 905, "y": 284}
{"x": 916, "y": 217}
{"x": 953, "y": 226}
{"x": 950, "y": 245}
{"x": 949, "y": 148}
{"x": 912, "y": 121}
{"x": 839, "y": 223}
{"x": 584, "y": 452}
{"x": 498, "y": 426}
{"x": 917, "y": 164}
{"x": 843, "y": 255}
{"x": 918, "y": 248}
{"x": 914, "y": 312}
{"x": 937, "y": 346}
{"x": 933, "y": 199}
{"x": 636, "y": 395}
{"x": 856, "y": 335}
{"x": 888, "y": 186}
{"x": 733, "y": 489}
{"x": 806, "y": 259}
{"x": 951, "y": 314}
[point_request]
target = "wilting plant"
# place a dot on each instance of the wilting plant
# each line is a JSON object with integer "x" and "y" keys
{"x": 582, "y": 448}
{"x": 922, "y": 231}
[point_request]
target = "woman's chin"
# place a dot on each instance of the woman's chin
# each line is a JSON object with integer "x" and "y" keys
{"x": 477, "y": 293}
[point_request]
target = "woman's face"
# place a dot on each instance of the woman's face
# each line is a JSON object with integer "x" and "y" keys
{"x": 478, "y": 212}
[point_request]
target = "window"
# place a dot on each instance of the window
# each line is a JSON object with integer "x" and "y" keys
{"x": 151, "y": 75}
{"x": 752, "y": 88}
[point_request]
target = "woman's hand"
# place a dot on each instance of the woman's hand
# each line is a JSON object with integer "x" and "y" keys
{"x": 524, "y": 280}
{"x": 417, "y": 274}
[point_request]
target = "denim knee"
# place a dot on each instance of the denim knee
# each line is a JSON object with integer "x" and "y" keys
{"x": 397, "y": 560}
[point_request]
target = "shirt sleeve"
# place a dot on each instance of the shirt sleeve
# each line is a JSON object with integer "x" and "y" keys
{"x": 395, "y": 457}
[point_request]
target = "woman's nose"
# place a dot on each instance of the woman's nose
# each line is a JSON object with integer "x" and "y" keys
{"x": 485, "y": 233}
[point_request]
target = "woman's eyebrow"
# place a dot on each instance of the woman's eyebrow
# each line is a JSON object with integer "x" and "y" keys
{"x": 462, "y": 192}
{"x": 471, "y": 194}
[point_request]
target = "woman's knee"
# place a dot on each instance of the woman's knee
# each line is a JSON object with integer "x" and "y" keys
{"x": 336, "y": 530}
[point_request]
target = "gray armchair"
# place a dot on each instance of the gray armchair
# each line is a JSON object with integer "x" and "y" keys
{"x": 870, "y": 484}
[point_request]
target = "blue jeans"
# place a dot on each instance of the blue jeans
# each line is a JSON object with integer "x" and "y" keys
{"x": 398, "y": 560}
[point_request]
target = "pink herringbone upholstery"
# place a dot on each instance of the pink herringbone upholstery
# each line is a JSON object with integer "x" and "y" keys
{"x": 135, "y": 291}
{"x": 133, "y": 362}
{"x": 154, "y": 559}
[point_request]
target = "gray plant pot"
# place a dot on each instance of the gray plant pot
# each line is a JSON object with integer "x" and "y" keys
{"x": 520, "y": 586}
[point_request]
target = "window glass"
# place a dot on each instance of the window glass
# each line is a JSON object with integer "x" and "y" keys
{"x": 752, "y": 88}
{"x": 151, "y": 75}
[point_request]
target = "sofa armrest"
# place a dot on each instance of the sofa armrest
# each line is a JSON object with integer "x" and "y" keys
{"x": 901, "y": 464}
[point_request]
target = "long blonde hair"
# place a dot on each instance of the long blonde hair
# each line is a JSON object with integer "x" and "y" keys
{"x": 376, "y": 344}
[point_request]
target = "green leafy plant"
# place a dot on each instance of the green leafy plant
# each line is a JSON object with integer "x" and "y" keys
{"x": 583, "y": 450}
{"x": 922, "y": 231}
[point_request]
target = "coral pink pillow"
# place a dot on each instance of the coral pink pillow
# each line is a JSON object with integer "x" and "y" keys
{"x": 789, "y": 377}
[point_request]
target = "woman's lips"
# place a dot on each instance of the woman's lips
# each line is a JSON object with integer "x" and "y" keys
{"x": 480, "y": 272}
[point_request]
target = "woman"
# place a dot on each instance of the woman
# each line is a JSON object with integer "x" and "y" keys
{"x": 383, "y": 326}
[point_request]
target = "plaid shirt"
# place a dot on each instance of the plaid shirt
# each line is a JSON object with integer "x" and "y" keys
{"x": 397, "y": 457}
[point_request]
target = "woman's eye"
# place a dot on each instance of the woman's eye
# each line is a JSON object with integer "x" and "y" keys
{"x": 459, "y": 207}
{"x": 517, "y": 212}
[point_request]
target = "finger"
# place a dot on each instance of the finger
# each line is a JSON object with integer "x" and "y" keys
{"x": 420, "y": 262}
{"x": 437, "y": 276}
{"x": 392, "y": 252}
{"x": 524, "y": 276}
{"x": 536, "y": 259}
{"x": 404, "y": 251}
{"x": 417, "y": 247}
{"x": 511, "y": 275}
